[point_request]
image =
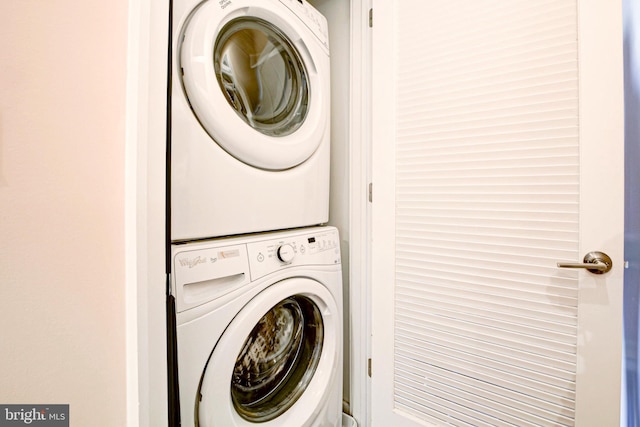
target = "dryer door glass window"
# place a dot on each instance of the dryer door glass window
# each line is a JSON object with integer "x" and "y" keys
{"x": 262, "y": 76}
{"x": 278, "y": 359}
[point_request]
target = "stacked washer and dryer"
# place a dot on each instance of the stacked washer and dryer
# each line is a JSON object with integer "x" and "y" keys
{"x": 256, "y": 285}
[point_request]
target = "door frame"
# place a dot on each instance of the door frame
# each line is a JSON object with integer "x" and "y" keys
{"x": 360, "y": 193}
{"x": 144, "y": 257}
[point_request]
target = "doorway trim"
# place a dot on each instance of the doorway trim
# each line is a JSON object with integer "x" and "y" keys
{"x": 360, "y": 210}
{"x": 144, "y": 258}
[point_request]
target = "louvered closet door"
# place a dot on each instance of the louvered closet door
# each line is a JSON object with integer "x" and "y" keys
{"x": 497, "y": 152}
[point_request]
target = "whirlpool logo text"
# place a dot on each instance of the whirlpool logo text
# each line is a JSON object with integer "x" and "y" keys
{"x": 192, "y": 262}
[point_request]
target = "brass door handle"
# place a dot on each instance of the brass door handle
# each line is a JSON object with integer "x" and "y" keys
{"x": 595, "y": 262}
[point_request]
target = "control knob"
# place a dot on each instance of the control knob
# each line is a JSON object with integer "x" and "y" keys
{"x": 286, "y": 253}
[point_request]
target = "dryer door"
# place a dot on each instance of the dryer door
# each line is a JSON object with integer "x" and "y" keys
{"x": 250, "y": 72}
{"x": 276, "y": 361}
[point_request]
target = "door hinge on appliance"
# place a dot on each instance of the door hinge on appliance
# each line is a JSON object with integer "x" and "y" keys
{"x": 371, "y": 18}
{"x": 371, "y": 192}
{"x": 369, "y": 367}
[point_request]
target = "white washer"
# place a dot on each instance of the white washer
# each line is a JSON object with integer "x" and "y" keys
{"x": 259, "y": 330}
{"x": 249, "y": 117}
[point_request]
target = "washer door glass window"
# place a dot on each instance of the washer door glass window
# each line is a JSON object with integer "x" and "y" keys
{"x": 261, "y": 76}
{"x": 278, "y": 359}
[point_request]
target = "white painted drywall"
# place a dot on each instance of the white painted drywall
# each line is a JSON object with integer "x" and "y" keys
{"x": 62, "y": 145}
{"x": 338, "y": 18}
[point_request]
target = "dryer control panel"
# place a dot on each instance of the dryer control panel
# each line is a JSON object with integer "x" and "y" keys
{"x": 317, "y": 248}
{"x": 313, "y": 19}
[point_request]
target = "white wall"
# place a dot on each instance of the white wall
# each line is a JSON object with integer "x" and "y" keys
{"x": 62, "y": 116}
{"x": 338, "y": 18}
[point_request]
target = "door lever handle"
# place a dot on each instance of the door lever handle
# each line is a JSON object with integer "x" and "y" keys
{"x": 595, "y": 262}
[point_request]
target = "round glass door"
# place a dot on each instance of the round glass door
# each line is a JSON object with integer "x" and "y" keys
{"x": 278, "y": 359}
{"x": 261, "y": 76}
{"x": 257, "y": 81}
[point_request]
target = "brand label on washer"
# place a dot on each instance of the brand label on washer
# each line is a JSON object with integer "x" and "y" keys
{"x": 192, "y": 262}
{"x": 224, "y": 3}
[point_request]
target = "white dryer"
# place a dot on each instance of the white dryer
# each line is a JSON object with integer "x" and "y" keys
{"x": 259, "y": 330}
{"x": 249, "y": 117}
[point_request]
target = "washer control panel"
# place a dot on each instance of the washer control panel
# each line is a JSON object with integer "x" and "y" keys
{"x": 208, "y": 270}
{"x": 321, "y": 247}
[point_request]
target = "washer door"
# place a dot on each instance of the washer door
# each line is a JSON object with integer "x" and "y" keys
{"x": 252, "y": 82}
{"x": 275, "y": 361}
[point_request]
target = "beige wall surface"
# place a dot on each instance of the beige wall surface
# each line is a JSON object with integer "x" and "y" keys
{"x": 62, "y": 135}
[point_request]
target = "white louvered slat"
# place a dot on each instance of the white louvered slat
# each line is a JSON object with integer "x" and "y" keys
{"x": 487, "y": 199}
